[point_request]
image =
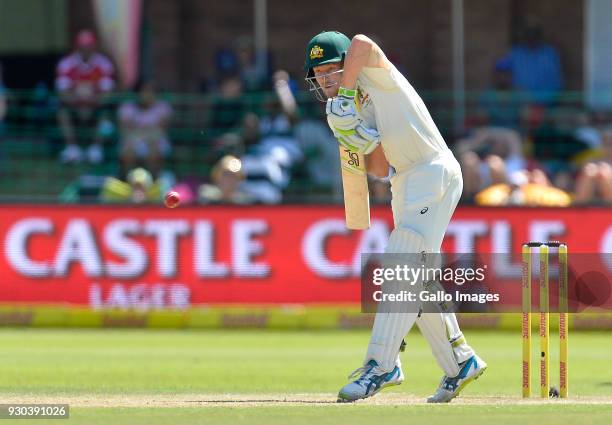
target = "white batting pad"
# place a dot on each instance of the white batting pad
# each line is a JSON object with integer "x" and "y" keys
{"x": 390, "y": 328}
{"x": 447, "y": 343}
{"x": 460, "y": 346}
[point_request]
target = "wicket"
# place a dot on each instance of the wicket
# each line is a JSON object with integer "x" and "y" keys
{"x": 544, "y": 328}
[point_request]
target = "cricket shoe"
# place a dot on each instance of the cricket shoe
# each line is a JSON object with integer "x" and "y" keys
{"x": 371, "y": 380}
{"x": 449, "y": 388}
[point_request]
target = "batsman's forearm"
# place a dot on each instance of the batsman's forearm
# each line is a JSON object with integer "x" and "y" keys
{"x": 377, "y": 164}
{"x": 357, "y": 57}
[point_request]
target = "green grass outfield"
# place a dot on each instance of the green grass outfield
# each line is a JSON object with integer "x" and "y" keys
{"x": 262, "y": 377}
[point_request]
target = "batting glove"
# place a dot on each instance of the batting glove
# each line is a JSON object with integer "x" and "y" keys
{"x": 341, "y": 110}
{"x": 347, "y": 126}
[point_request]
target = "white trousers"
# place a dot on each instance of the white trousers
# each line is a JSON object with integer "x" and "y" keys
{"x": 424, "y": 199}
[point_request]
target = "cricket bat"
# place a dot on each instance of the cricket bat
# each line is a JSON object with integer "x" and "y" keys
{"x": 355, "y": 187}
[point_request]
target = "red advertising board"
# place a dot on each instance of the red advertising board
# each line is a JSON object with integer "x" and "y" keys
{"x": 154, "y": 257}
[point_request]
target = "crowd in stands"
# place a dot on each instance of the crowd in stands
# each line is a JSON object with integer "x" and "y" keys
{"x": 262, "y": 141}
{"x": 523, "y": 147}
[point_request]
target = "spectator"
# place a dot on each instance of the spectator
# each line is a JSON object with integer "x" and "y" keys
{"x": 524, "y": 193}
{"x": 312, "y": 136}
{"x": 253, "y": 73}
{"x": 274, "y": 121}
{"x": 535, "y": 65}
{"x": 586, "y": 132}
{"x": 144, "y": 126}
{"x": 557, "y": 144}
{"x": 227, "y": 181}
{"x": 322, "y": 158}
{"x": 271, "y": 162}
{"x": 276, "y": 132}
{"x": 494, "y": 167}
{"x": 229, "y": 144}
{"x": 226, "y": 64}
{"x": 228, "y": 108}
{"x": 84, "y": 78}
{"x": 139, "y": 188}
{"x": 251, "y": 132}
{"x": 594, "y": 182}
{"x": 500, "y": 105}
{"x": 490, "y": 156}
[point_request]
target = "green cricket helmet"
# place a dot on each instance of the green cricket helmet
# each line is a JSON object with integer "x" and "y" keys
{"x": 325, "y": 47}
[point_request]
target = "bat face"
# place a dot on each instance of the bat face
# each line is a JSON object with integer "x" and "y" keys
{"x": 355, "y": 187}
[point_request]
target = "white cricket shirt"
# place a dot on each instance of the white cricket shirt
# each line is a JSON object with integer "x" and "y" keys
{"x": 388, "y": 102}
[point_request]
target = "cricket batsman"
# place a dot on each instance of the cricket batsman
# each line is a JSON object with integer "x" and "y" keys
{"x": 371, "y": 108}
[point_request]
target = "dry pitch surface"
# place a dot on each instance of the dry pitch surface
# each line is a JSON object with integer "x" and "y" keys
{"x": 261, "y": 400}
